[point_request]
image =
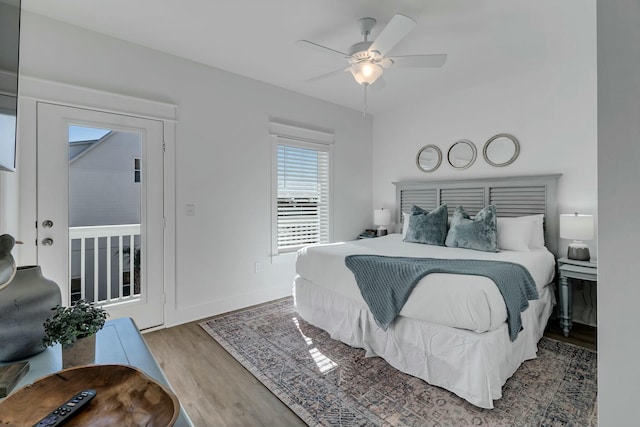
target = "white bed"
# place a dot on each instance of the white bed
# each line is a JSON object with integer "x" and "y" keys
{"x": 452, "y": 331}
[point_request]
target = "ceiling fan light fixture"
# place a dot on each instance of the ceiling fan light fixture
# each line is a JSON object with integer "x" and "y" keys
{"x": 366, "y": 72}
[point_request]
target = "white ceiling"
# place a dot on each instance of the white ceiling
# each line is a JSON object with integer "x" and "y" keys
{"x": 485, "y": 39}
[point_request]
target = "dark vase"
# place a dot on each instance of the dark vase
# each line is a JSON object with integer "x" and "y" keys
{"x": 24, "y": 306}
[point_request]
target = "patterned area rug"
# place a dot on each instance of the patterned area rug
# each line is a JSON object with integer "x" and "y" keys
{"x": 328, "y": 383}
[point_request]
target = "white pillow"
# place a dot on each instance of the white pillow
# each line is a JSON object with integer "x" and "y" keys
{"x": 405, "y": 223}
{"x": 537, "y": 233}
{"x": 514, "y": 234}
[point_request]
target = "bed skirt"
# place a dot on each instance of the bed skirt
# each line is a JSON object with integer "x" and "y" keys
{"x": 472, "y": 365}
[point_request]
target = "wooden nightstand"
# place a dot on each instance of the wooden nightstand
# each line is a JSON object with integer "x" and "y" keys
{"x": 574, "y": 270}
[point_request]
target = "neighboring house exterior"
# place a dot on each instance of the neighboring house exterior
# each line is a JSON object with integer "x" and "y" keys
{"x": 102, "y": 180}
{"x": 104, "y": 189}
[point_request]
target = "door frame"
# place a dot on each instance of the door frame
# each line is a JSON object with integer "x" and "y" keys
{"x": 54, "y": 175}
{"x": 34, "y": 90}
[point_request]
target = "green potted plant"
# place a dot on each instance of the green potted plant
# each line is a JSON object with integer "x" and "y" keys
{"x": 75, "y": 328}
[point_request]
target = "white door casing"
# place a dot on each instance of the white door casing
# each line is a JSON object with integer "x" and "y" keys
{"x": 52, "y": 203}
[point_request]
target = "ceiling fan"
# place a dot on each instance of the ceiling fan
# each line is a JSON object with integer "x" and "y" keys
{"x": 367, "y": 59}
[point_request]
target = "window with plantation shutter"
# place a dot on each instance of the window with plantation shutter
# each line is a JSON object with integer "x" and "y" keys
{"x": 301, "y": 193}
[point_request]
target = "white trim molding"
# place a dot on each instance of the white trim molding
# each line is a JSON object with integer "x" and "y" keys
{"x": 300, "y": 133}
{"x": 81, "y": 97}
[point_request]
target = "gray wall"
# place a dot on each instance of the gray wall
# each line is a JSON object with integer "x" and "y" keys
{"x": 619, "y": 201}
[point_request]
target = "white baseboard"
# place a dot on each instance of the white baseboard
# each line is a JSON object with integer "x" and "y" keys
{"x": 198, "y": 312}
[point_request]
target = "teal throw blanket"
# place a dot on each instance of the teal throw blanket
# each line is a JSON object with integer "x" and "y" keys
{"x": 386, "y": 283}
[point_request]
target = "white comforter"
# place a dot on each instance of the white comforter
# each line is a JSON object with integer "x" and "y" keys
{"x": 459, "y": 301}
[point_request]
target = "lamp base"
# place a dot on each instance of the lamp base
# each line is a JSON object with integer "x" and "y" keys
{"x": 578, "y": 251}
{"x": 381, "y": 231}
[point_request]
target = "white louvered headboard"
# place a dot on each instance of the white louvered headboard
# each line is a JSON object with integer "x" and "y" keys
{"x": 513, "y": 196}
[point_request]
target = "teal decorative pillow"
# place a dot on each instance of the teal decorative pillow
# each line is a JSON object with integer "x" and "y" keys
{"x": 478, "y": 233}
{"x": 427, "y": 227}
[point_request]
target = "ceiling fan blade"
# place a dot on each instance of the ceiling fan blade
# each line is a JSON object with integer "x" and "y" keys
{"x": 418, "y": 61}
{"x": 319, "y": 48}
{"x": 324, "y": 76}
{"x": 396, "y": 30}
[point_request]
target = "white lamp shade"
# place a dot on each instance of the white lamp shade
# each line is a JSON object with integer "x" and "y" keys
{"x": 366, "y": 72}
{"x": 382, "y": 217}
{"x": 576, "y": 227}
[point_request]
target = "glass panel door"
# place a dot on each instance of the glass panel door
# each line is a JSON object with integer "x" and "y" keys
{"x": 100, "y": 209}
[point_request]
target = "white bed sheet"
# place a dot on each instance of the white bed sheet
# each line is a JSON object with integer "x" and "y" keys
{"x": 474, "y": 366}
{"x": 454, "y": 300}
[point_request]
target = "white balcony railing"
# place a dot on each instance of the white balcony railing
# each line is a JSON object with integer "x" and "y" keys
{"x": 104, "y": 263}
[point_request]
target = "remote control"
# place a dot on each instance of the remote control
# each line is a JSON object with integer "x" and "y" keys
{"x": 67, "y": 410}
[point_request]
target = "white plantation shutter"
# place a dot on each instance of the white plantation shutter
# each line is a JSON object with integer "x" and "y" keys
{"x": 302, "y": 193}
{"x": 303, "y": 196}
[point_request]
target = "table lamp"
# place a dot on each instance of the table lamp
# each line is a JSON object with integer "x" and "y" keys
{"x": 382, "y": 218}
{"x": 577, "y": 227}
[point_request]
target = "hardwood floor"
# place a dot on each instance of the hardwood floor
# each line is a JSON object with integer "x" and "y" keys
{"x": 212, "y": 386}
{"x": 582, "y": 335}
{"x": 216, "y": 390}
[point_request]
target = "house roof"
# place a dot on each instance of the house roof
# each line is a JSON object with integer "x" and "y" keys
{"x": 78, "y": 148}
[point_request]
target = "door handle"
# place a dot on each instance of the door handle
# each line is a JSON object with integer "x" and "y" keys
{"x": 47, "y": 242}
{"x": 47, "y": 223}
